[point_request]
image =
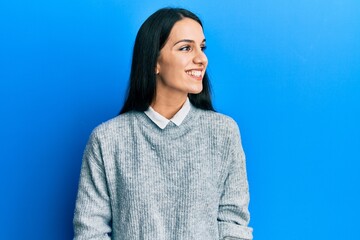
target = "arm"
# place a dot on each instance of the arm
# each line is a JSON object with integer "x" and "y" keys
{"x": 233, "y": 216}
{"x": 92, "y": 219}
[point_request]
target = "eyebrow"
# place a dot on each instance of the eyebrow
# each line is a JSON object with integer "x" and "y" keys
{"x": 189, "y": 41}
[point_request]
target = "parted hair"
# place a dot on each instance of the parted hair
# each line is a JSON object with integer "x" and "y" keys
{"x": 150, "y": 39}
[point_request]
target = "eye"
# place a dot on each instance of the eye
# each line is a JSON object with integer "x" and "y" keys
{"x": 203, "y": 48}
{"x": 185, "y": 48}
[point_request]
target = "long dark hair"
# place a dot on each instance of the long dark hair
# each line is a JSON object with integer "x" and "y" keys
{"x": 150, "y": 39}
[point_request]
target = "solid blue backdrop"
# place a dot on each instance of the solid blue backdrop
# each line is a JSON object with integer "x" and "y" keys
{"x": 287, "y": 71}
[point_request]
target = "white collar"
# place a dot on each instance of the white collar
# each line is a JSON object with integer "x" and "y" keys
{"x": 162, "y": 121}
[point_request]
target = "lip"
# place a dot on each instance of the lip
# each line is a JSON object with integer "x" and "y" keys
{"x": 202, "y": 70}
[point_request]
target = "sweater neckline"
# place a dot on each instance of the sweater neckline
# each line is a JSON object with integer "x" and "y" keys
{"x": 171, "y": 130}
{"x": 162, "y": 121}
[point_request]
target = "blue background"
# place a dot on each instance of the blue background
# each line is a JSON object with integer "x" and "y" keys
{"x": 287, "y": 71}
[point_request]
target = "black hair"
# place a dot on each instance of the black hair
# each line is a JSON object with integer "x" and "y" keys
{"x": 150, "y": 39}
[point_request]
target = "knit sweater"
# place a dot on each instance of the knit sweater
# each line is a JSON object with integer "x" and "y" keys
{"x": 183, "y": 182}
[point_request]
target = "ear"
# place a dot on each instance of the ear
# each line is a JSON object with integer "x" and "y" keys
{"x": 157, "y": 68}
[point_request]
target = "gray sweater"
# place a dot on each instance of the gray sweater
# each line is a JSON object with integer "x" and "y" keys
{"x": 140, "y": 182}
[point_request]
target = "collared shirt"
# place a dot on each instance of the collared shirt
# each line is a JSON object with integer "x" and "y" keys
{"x": 162, "y": 121}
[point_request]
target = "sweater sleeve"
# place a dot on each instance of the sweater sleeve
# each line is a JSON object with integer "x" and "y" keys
{"x": 92, "y": 218}
{"x": 233, "y": 215}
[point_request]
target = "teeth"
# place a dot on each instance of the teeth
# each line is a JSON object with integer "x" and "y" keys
{"x": 194, "y": 73}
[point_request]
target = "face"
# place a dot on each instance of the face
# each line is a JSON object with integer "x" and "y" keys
{"x": 182, "y": 62}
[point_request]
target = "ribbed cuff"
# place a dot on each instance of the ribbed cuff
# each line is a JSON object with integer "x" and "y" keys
{"x": 231, "y": 231}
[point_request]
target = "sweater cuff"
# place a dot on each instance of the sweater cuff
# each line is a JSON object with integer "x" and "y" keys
{"x": 232, "y": 231}
{"x": 233, "y": 238}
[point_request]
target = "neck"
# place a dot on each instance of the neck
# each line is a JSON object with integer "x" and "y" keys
{"x": 168, "y": 106}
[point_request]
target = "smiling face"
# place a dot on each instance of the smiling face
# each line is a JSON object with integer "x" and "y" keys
{"x": 182, "y": 62}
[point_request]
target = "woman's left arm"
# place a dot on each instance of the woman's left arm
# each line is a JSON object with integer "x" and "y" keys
{"x": 233, "y": 215}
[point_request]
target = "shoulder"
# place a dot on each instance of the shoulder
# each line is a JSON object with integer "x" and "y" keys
{"x": 114, "y": 126}
{"x": 218, "y": 120}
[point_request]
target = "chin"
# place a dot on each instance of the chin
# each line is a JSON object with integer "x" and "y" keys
{"x": 196, "y": 91}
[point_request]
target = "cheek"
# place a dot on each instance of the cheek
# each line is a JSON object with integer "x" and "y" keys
{"x": 173, "y": 68}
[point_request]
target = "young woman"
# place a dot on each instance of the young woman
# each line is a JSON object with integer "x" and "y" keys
{"x": 168, "y": 167}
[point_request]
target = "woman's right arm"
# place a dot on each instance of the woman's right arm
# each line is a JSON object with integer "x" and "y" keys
{"x": 92, "y": 219}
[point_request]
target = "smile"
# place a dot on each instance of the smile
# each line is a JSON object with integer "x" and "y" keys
{"x": 194, "y": 73}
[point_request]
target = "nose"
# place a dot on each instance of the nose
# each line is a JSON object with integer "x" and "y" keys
{"x": 200, "y": 58}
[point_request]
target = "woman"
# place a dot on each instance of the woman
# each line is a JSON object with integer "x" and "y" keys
{"x": 168, "y": 167}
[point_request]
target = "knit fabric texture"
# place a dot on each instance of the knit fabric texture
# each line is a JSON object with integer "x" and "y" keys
{"x": 140, "y": 182}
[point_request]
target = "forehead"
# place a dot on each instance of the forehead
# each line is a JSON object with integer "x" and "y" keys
{"x": 186, "y": 28}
